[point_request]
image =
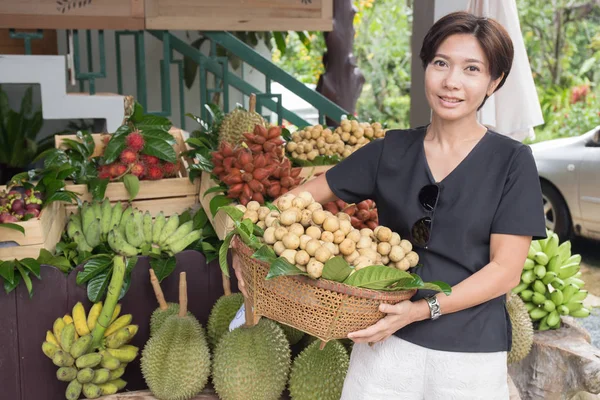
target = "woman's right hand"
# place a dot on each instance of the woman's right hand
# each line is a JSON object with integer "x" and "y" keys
{"x": 237, "y": 267}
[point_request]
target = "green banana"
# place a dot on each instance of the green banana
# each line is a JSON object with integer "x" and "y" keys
{"x": 159, "y": 223}
{"x": 169, "y": 228}
{"x": 568, "y": 270}
{"x": 548, "y": 278}
{"x": 127, "y": 215}
{"x": 73, "y": 390}
{"x": 89, "y": 360}
{"x": 527, "y": 277}
{"x": 575, "y": 281}
{"x": 538, "y": 298}
{"x": 539, "y": 287}
{"x": 520, "y": 287}
{"x": 526, "y": 295}
{"x": 574, "y": 259}
{"x": 574, "y": 306}
{"x": 539, "y": 271}
{"x": 537, "y": 313}
{"x": 553, "y": 319}
{"x": 82, "y": 244}
{"x": 541, "y": 258}
{"x": 181, "y": 244}
{"x": 557, "y": 297}
{"x": 551, "y": 247}
{"x": 529, "y": 264}
{"x": 134, "y": 230}
{"x": 85, "y": 375}
{"x": 549, "y": 305}
{"x": 147, "y": 227}
{"x": 536, "y": 246}
{"x": 581, "y": 313}
{"x": 579, "y": 296}
{"x": 87, "y": 214}
{"x": 544, "y": 324}
{"x": 117, "y": 242}
{"x": 564, "y": 252}
{"x": 62, "y": 359}
{"x": 66, "y": 374}
{"x": 554, "y": 264}
{"x": 563, "y": 310}
{"x": 81, "y": 346}
{"x": 531, "y": 252}
{"x": 115, "y": 217}
{"x": 67, "y": 337}
{"x": 558, "y": 283}
{"x": 106, "y": 217}
{"x": 530, "y": 306}
{"x": 180, "y": 233}
{"x": 74, "y": 225}
{"x": 101, "y": 375}
{"x": 91, "y": 391}
{"x": 568, "y": 292}
{"x": 97, "y": 207}
{"x": 92, "y": 233}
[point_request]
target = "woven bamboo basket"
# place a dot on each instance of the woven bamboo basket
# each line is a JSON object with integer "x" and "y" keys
{"x": 322, "y": 308}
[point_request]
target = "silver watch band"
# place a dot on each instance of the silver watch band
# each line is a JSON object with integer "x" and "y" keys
{"x": 434, "y": 307}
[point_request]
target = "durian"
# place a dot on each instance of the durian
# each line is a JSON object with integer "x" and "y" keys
{"x": 319, "y": 374}
{"x": 221, "y": 316}
{"x": 252, "y": 363}
{"x": 176, "y": 360}
{"x": 164, "y": 309}
{"x": 293, "y": 335}
{"x": 522, "y": 329}
{"x": 238, "y": 122}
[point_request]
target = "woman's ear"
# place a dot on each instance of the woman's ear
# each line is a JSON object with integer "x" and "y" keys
{"x": 494, "y": 84}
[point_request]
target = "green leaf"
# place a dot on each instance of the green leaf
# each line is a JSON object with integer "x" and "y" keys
{"x": 26, "y": 279}
{"x": 214, "y": 189}
{"x": 45, "y": 256}
{"x": 10, "y": 286}
{"x": 282, "y": 267}
{"x": 60, "y": 196}
{"x": 304, "y": 39}
{"x": 94, "y": 267}
{"x": 87, "y": 140}
{"x": 280, "y": 41}
{"x": 121, "y": 131}
{"x": 159, "y": 134}
{"x": 97, "y": 188}
{"x": 32, "y": 265}
{"x": 97, "y": 286}
{"x": 234, "y": 213}
{"x": 114, "y": 148}
{"x": 247, "y": 226}
{"x": 7, "y": 270}
{"x": 218, "y": 202}
{"x": 286, "y": 134}
{"x": 150, "y": 121}
{"x": 376, "y": 277}
{"x": 62, "y": 263}
{"x": 336, "y": 269}
{"x": 258, "y": 231}
{"x": 265, "y": 253}
{"x": 132, "y": 184}
{"x": 587, "y": 66}
{"x": 161, "y": 149}
{"x": 15, "y": 227}
{"x": 163, "y": 267}
{"x": 26, "y": 101}
{"x": 271, "y": 206}
{"x": 207, "y": 247}
{"x": 438, "y": 286}
{"x": 200, "y": 219}
{"x": 138, "y": 113}
{"x": 223, "y": 253}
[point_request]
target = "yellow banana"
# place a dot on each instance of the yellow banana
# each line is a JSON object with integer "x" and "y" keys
{"x": 126, "y": 353}
{"x": 67, "y": 337}
{"x": 115, "y": 313}
{"x": 49, "y": 349}
{"x": 121, "y": 322}
{"x": 120, "y": 337}
{"x": 119, "y": 383}
{"x": 50, "y": 338}
{"x": 58, "y": 327}
{"x": 79, "y": 320}
{"x": 67, "y": 319}
{"x": 93, "y": 315}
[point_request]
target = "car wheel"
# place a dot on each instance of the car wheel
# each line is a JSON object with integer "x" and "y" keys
{"x": 556, "y": 212}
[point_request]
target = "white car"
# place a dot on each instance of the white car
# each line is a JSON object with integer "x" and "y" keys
{"x": 569, "y": 170}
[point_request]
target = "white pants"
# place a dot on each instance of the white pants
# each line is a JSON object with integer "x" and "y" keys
{"x": 397, "y": 369}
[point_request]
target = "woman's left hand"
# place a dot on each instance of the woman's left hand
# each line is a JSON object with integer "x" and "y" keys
{"x": 398, "y": 316}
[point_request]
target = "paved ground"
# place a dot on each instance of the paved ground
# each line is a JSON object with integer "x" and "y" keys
{"x": 590, "y": 268}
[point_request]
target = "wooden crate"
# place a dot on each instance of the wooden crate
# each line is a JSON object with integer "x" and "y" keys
{"x": 43, "y": 232}
{"x": 220, "y": 222}
{"x": 170, "y": 195}
{"x": 72, "y": 14}
{"x": 240, "y": 15}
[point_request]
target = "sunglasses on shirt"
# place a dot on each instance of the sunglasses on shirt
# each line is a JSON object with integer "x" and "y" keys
{"x": 421, "y": 230}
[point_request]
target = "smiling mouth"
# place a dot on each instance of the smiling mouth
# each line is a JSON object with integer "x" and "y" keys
{"x": 450, "y": 99}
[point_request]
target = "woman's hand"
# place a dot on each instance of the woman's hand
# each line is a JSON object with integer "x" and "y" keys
{"x": 237, "y": 267}
{"x": 398, "y": 316}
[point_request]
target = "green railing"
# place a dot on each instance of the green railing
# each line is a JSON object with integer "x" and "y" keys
{"x": 223, "y": 80}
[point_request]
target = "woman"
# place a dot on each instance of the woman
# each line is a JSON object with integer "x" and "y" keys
{"x": 470, "y": 202}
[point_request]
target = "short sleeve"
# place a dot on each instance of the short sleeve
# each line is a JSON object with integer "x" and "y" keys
{"x": 354, "y": 179}
{"x": 521, "y": 209}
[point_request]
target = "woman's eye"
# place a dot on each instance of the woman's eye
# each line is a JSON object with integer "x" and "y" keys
{"x": 472, "y": 68}
{"x": 439, "y": 63}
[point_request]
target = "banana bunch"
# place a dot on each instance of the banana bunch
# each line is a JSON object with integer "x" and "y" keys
{"x": 93, "y": 372}
{"x": 551, "y": 283}
{"x": 129, "y": 232}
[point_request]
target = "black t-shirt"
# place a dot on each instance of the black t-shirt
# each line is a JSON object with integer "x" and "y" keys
{"x": 495, "y": 189}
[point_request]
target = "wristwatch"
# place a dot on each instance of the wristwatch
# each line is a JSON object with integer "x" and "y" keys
{"x": 434, "y": 307}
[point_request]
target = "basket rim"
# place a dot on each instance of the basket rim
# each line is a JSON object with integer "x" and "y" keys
{"x": 327, "y": 284}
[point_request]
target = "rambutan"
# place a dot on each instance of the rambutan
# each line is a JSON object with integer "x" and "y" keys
{"x": 150, "y": 160}
{"x": 113, "y": 170}
{"x": 170, "y": 169}
{"x": 104, "y": 172}
{"x": 138, "y": 169}
{"x": 135, "y": 141}
{"x": 128, "y": 156}
{"x": 121, "y": 169}
{"x": 154, "y": 173}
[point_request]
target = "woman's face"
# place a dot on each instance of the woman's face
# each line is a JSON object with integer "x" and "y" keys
{"x": 458, "y": 79}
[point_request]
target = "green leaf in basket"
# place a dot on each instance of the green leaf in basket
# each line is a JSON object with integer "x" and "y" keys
{"x": 376, "y": 277}
{"x": 265, "y": 253}
{"x": 159, "y": 148}
{"x": 138, "y": 113}
{"x": 159, "y": 134}
{"x": 336, "y": 269}
{"x": 114, "y": 148}
{"x": 15, "y": 227}
{"x": 132, "y": 184}
{"x": 233, "y": 212}
{"x": 223, "y": 253}
{"x": 150, "y": 121}
{"x": 215, "y": 189}
{"x": 438, "y": 286}
{"x": 282, "y": 267}
{"x": 219, "y": 202}
{"x": 258, "y": 231}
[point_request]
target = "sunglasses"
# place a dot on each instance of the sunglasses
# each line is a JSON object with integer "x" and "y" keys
{"x": 421, "y": 230}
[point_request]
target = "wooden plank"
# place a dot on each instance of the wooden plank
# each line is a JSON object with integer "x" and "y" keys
{"x": 230, "y": 24}
{"x": 35, "y": 316}
{"x": 44, "y": 46}
{"x": 207, "y": 394}
{"x": 10, "y": 374}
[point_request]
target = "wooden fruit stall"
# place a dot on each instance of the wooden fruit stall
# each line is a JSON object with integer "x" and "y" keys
{"x": 169, "y": 195}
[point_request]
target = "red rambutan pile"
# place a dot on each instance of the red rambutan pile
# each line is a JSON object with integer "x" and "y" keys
{"x": 135, "y": 141}
{"x": 170, "y": 169}
{"x": 154, "y": 173}
{"x": 128, "y": 156}
{"x": 138, "y": 169}
{"x": 150, "y": 160}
